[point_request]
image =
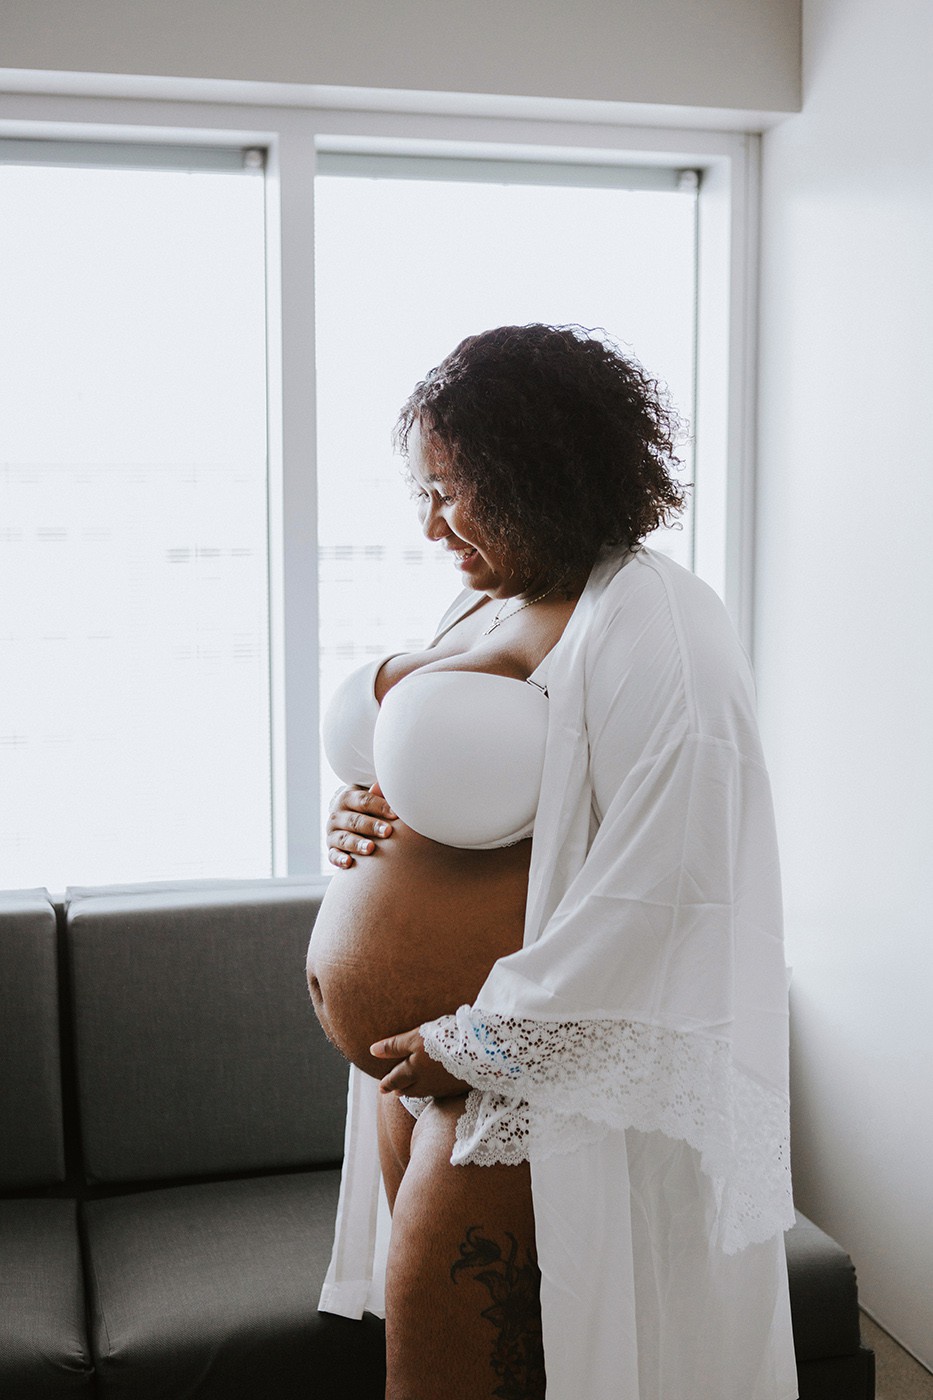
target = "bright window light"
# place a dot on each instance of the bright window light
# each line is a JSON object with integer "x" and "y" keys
{"x": 134, "y": 737}
{"x": 405, "y": 268}
{"x": 135, "y": 728}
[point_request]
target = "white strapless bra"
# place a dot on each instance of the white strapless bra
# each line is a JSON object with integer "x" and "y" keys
{"x": 458, "y": 754}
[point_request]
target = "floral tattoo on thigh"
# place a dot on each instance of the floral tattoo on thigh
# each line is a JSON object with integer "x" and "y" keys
{"x": 517, "y": 1356}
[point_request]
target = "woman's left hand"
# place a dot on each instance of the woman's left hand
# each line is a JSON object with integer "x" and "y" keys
{"x": 416, "y": 1073}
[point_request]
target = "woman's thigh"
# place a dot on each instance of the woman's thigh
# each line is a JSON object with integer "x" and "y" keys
{"x": 395, "y": 1126}
{"x": 463, "y": 1316}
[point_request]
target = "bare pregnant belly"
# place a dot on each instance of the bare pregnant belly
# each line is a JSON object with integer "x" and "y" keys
{"x": 410, "y": 933}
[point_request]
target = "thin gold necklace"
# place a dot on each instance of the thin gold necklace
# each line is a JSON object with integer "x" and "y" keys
{"x": 500, "y": 619}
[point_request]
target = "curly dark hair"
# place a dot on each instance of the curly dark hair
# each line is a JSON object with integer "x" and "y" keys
{"x": 558, "y": 442}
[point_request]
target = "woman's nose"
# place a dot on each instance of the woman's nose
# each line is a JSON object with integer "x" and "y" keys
{"x": 434, "y": 525}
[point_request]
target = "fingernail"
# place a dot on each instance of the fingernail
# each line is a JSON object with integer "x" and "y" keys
{"x": 366, "y": 847}
{"x": 382, "y": 829}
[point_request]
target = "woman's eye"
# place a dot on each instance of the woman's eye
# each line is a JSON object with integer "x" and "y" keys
{"x": 422, "y": 497}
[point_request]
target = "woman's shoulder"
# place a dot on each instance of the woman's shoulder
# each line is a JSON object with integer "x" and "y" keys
{"x": 649, "y": 572}
{"x": 669, "y": 634}
{"x": 650, "y": 590}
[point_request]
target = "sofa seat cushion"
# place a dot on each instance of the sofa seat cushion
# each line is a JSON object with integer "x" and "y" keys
{"x": 211, "y": 1291}
{"x": 823, "y": 1294}
{"x": 44, "y": 1348}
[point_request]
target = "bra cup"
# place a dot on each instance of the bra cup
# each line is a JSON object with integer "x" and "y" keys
{"x": 460, "y": 754}
{"x": 348, "y": 725}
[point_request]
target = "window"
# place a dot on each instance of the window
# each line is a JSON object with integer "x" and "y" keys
{"x": 167, "y": 499}
{"x": 134, "y": 610}
{"x": 411, "y": 256}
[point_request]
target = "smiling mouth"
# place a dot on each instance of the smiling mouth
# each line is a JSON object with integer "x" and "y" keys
{"x": 462, "y": 555}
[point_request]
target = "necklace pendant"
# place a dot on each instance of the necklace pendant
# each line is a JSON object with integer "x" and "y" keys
{"x": 530, "y": 603}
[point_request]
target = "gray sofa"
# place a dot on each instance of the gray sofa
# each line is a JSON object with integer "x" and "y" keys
{"x": 172, "y": 1130}
{"x": 171, "y": 1126}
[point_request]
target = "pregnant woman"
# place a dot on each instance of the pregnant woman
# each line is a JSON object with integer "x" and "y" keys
{"x": 557, "y": 938}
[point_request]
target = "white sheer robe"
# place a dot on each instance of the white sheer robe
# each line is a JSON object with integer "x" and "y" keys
{"x": 635, "y": 1049}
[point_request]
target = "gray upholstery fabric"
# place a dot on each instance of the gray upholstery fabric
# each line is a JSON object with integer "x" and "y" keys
{"x": 209, "y": 1292}
{"x": 44, "y": 1351}
{"x": 31, "y": 1138}
{"x": 197, "y": 1049}
{"x": 823, "y": 1294}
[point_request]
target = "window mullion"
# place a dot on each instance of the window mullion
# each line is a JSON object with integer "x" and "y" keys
{"x": 293, "y": 502}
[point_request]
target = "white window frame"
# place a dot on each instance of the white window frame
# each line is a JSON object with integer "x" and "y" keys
{"x": 292, "y": 134}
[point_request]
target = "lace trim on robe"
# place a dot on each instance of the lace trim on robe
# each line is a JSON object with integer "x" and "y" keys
{"x": 551, "y": 1086}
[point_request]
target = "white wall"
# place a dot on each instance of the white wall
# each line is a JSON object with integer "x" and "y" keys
{"x": 722, "y": 53}
{"x": 844, "y": 629}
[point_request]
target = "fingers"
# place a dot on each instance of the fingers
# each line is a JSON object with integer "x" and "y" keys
{"x": 360, "y": 811}
{"x": 396, "y": 1047}
{"x": 340, "y": 858}
{"x": 414, "y": 1071}
{"x": 368, "y": 801}
{"x": 402, "y": 1077}
{"x": 350, "y": 819}
{"x": 378, "y": 804}
{"x": 347, "y": 841}
{"x": 404, "y": 1048}
{"x": 357, "y": 819}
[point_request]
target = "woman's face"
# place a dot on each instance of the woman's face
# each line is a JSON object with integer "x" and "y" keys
{"x": 447, "y": 521}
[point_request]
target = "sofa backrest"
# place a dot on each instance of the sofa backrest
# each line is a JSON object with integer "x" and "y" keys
{"x": 32, "y": 1149}
{"x": 197, "y": 1051}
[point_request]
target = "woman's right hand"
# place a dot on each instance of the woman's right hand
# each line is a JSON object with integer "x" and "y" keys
{"x": 358, "y": 819}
